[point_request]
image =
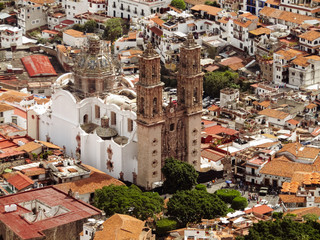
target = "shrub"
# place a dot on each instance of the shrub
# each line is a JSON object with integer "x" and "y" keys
{"x": 201, "y": 187}
{"x": 165, "y": 225}
{"x": 239, "y": 203}
{"x": 227, "y": 195}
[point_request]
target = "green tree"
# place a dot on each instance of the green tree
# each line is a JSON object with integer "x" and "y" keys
{"x": 194, "y": 205}
{"x": 113, "y": 29}
{"x": 284, "y": 229}
{"x": 239, "y": 203}
{"x": 78, "y": 27}
{"x": 128, "y": 200}
{"x": 213, "y": 4}
{"x": 277, "y": 215}
{"x": 213, "y": 82}
{"x": 178, "y": 175}
{"x": 165, "y": 225}
{"x": 178, "y": 4}
{"x": 310, "y": 217}
{"x": 90, "y": 26}
{"x": 227, "y": 195}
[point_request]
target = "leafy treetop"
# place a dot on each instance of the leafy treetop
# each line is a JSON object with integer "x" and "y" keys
{"x": 178, "y": 4}
{"x": 128, "y": 200}
{"x": 178, "y": 175}
{"x": 194, "y": 205}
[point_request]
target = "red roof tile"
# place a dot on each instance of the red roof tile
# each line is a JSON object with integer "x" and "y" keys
{"x": 220, "y": 130}
{"x": 38, "y": 65}
{"x": 19, "y": 180}
{"x": 263, "y": 209}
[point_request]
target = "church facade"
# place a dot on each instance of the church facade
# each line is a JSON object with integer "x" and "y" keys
{"x": 127, "y": 133}
{"x": 173, "y": 130}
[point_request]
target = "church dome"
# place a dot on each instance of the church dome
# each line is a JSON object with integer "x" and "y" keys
{"x": 94, "y": 71}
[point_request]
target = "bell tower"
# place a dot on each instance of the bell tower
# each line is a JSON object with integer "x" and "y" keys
{"x": 189, "y": 91}
{"x": 149, "y": 118}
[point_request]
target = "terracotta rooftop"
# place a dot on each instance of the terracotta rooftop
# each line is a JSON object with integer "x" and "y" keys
{"x": 34, "y": 171}
{"x": 158, "y": 21}
{"x": 29, "y": 147}
{"x": 195, "y": 2}
{"x": 120, "y": 226}
{"x": 286, "y": 198}
{"x": 303, "y": 211}
{"x": 263, "y": 209}
{"x": 284, "y": 15}
{"x": 5, "y": 107}
{"x": 208, "y": 9}
{"x": 274, "y": 113}
{"x": 289, "y": 53}
{"x": 215, "y": 130}
{"x": 50, "y": 196}
{"x": 156, "y": 31}
{"x": 260, "y": 31}
{"x": 74, "y": 33}
{"x": 311, "y": 106}
{"x": 212, "y": 155}
{"x": 214, "y": 108}
{"x": 273, "y": 2}
{"x": 18, "y": 180}
{"x": 301, "y": 61}
{"x": 293, "y": 122}
{"x": 242, "y": 23}
{"x": 285, "y": 168}
{"x": 300, "y": 151}
{"x": 96, "y": 181}
{"x": 310, "y": 35}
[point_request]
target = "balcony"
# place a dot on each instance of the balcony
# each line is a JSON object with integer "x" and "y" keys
{"x": 142, "y": 14}
{"x": 135, "y": 12}
{"x": 128, "y": 10}
{"x": 121, "y": 8}
{"x": 114, "y": 6}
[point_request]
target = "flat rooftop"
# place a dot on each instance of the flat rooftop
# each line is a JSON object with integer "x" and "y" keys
{"x": 47, "y": 198}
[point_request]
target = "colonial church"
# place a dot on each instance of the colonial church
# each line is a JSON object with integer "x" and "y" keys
{"x": 128, "y": 133}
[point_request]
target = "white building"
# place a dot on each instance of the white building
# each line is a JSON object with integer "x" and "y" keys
{"x": 304, "y": 71}
{"x": 31, "y": 17}
{"x": 228, "y": 96}
{"x": 273, "y": 117}
{"x": 135, "y": 8}
{"x": 74, "y": 38}
{"x": 241, "y": 28}
{"x": 75, "y": 7}
{"x": 309, "y": 41}
{"x": 10, "y": 36}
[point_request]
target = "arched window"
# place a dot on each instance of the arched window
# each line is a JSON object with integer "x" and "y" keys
{"x": 142, "y": 105}
{"x": 182, "y": 96}
{"x": 195, "y": 95}
{"x": 85, "y": 119}
{"x": 155, "y": 106}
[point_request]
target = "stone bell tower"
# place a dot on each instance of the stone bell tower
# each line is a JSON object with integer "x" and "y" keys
{"x": 149, "y": 118}
{"x": 189, "y": 91}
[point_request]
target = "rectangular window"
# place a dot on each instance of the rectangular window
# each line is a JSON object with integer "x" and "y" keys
{"x": 97, "y": 111}
{"x": 40, "y": 91}
{"x": 130, "y": 125}
{"x": 1, "y": 114}
{"x": 113, "y": 118}
{"x": 14, "y": 120}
